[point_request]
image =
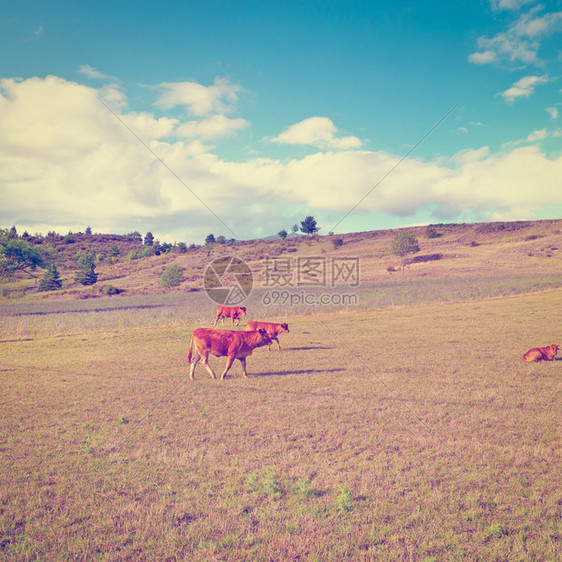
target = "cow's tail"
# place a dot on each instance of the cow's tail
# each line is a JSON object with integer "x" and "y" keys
{"x": 189, "y": 353}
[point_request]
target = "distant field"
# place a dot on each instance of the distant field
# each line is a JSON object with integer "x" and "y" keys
{"x": 23, "y": 317}
{"x": 411, "y": 432}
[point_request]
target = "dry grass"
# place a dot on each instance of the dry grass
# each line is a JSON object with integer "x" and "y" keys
{"x": 468, "y": 250}
{"x": 412, "y": 433}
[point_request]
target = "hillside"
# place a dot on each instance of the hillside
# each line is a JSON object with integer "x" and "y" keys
{"x": 450, "y": 250}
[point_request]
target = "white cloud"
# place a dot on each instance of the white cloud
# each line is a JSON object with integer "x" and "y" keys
{"x": 537, "y": 135}
{"x": 213, "y": 127}
{"x": 319, "y": 132}
{"x": 200, "y": 100}
{"x": 485, "y": 57}
{"x": 91, "y": 72}
{"x": 509, "y": 4}
{"x": 523, "y": 88}
{"x": 553, "y": 112}
{"x": 67, "y": 162}
{"x": 522, "y": 40}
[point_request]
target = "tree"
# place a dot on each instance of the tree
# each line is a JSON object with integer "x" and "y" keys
{"x": 149, "y": 239}
{"x": 308, "y": 226}
{"x": 282, "y": 234}
{"x": 404, "y": 243}
{"x": 210, "y": 239}
{"x": 86, "y": 273}
{"x": 17, "y": 254}
{"x": 135, "y": 235}
{"x": 221, "y": 239}
{"x": 172, "y": 276}
{"x": 295, "y": 228}
{"x": 88, "y": 231}
{"x": 51, "y": 279}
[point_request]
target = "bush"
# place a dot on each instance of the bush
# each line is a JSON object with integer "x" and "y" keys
{"x": 431, "y": 232}
{"x": 172, "y": 276}
{"x": 110, "y": 290}
{"x": 337, "y": 242}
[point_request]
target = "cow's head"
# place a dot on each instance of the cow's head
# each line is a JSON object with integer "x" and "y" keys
{"x": 264, "y": 338}
{"x": 242, "y": 309}
{"x": 552, "y": 350}
{"x": 285, "y": 327}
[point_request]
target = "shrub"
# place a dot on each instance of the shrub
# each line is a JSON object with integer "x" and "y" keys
{"x": 110, "y": 290}
{"x": 337, "y": 242}
{"x": 172, "y": 276}
{"x": 431, "y": 232}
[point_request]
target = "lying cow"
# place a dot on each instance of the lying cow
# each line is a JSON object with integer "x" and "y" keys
{"x": 234, "y": 312}
{"x": 273, "y": 330}
{"x": 224, "y": 343}
{"x": 541, "y": 353}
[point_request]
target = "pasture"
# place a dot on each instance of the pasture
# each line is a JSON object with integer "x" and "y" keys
{"x": 405, "y": 432}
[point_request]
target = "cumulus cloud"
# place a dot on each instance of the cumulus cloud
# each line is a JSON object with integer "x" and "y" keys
{"x": 319, "y": 132}
{"x": 200, "y": 100}
{"x": 553, "y": 112}
{"x": 523, "y": 88}
{"x": 91, "y": 72}
{"x": 67, "y": 162}
{"x": 213, "y": 127}
{"x": 520, "y": 43}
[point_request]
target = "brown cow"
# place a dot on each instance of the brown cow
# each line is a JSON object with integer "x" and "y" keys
{"x": 234, "y": 312}
{"x": 541, "y": 353}
{"x": 273, "y": 330}
{"x": 230, "y": 343}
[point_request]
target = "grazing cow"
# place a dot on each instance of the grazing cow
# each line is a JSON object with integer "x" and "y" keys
{"x": 234, "y": 312}
{"x": 224, "y": 343}
{"x": 541, "y": 353}
{"x": 273, "y": 330}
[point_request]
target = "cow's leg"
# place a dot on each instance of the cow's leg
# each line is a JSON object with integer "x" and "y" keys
{"x": 216, "y": 319}
{"x": 205, "y": 361}
{"x": 229, "y": 362}
{"x": 194, "y": 360}
{"x": 278, "y": 344}
{"x": 243, "y": 361}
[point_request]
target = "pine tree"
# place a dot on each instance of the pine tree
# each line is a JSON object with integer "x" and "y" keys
{"x": 51, "y": 279}
{"x": 86, "y": 274}
{"x": 308, "y": 226}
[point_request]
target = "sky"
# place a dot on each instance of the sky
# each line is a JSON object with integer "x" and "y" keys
{"x": 185, "y": 118}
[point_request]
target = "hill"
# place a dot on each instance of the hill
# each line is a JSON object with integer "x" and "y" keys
{"x": 446, "y": 250}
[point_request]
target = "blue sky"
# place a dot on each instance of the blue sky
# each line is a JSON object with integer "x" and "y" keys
{"x": 240, "y": 118}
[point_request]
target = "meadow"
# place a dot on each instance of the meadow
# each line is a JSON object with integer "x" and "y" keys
{"x": 405, "y": 428}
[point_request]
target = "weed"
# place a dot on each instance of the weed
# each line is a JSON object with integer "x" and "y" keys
{"x": 271, "y": 484}
{"x": 344, "y": 501}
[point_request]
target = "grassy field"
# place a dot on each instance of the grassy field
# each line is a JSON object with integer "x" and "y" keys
{"x": 411, "y": 432}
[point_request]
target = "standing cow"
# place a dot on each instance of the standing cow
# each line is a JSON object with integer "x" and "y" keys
{"x": 234, "y": 312}
{"x": 273, "y": 330}
{"x": 224, "y": 343}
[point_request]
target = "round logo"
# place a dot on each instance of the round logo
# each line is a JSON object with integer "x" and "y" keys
{"x": 228, "y": 281}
